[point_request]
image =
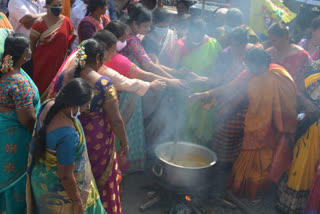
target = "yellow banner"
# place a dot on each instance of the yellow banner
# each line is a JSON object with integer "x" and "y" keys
{"x": 264, "y": 12}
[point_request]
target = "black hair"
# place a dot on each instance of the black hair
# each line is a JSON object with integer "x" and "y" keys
{"x": 48, "y": 2}
{"x": 160, "y": 15}
{"x": 315, "y": 23}
{"x": 106, "y": 38}
{"x": 240, "y": 35}
{"x": 15, "y": 45}
{"x": 279, "y": 29}
{"x": 116, "y": 27}
{"x": 93, "y": 5}
{"x": 138, "y": 13}
{"x": 197, "y": 25}
{"x": 187, "y": 3}
{"x": 258, "y": 57}
{"x": 77, "y": 92}
{"x": 234, "y": 17}
{"x": 92, "y": 49}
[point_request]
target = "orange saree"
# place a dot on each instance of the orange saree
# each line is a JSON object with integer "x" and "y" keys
{"x": 270, "y": 126}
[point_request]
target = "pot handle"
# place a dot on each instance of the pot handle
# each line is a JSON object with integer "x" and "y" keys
{"x": 154, "y": 170}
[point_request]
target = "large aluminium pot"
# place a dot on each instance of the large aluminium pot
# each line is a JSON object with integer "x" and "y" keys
{"x": 179, "y": 176}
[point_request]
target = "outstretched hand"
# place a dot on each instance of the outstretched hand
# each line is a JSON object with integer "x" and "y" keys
{"x": 158, "y": 85}
{"x": 197, "y": 97}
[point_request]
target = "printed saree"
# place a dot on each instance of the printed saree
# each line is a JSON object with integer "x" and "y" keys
{"x": 4, "y": 22}
{"x": 100, "y": 143}
{"x": 45, "y": 193}
{"x": 51, "y": 50}
{"x": 199, "y": 123}
{"x": 295, "y": 185}
{"x": 270, "y": 126}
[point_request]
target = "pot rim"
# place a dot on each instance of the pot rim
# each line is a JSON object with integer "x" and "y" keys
{"x": 212, "y": 153}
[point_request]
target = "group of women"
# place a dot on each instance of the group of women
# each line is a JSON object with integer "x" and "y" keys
{"x": 242, "y": 101}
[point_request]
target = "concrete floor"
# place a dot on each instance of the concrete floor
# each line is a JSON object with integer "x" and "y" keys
{"x": 134, "y": 194}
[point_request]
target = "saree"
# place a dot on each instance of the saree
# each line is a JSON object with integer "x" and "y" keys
{"x": 100, "y": 143}
{"x": 198, "y": 123}
{"x": 315, "y": 55}
{"x": 270, "y": 126}
{"x": 295, "y": 185}
{"x": 45, "y": 193}
{"x": 14, "y": 139}
{"x": 229, "y": 123}
{"x": 89, "y": 26}
{"x": 4, "y": 22}
{"x": 51, "y": 49}
{"x": 296, "y": 65}
{"x": 313, "y": 202}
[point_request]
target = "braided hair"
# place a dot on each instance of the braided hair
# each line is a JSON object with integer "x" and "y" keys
{"x": 77, "y": 92}
{"x": 15, "y": 45}
{"x": 91, "y": 48}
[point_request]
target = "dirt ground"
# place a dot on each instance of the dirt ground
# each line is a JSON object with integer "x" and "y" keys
{"x": 134, "y": 194}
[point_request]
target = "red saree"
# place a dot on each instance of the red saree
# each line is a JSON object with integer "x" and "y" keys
{"x": 51, "y": 50}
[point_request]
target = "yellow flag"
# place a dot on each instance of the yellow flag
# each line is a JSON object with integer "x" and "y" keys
{"x": 264, "y": 12}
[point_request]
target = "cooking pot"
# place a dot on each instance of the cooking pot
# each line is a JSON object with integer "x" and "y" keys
{"x": 179, "y": 175}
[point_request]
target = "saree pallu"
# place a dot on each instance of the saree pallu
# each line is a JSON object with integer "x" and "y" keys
{"x": 295, "y": 185}
{"x": 45, "y": 193}
{"x": 4, "y": 22}
{"x": 200, "y": 123}
{"x": 270, "y": 126}
{"x": 14, "y": 141}
{"x": 313, "y": 202}
{"x": 100, "y": 143}
{"x": 230, "y": 110}
{"x": 51, "y": 50}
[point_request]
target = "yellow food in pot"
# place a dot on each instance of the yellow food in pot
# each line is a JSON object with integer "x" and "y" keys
{"x": 186, "y": 160}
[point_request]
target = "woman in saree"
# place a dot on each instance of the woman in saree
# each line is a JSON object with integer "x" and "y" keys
{"x": 197, "y": 54}
{"x": 296, "y": 184}
{"x": 290, "y": 56}
{"x": 102, "y": 121}
{"x": 312, "y": 45}
{"x": 270, "y": 123}
{"x": 96, "y": 19}
{"x": 229, "y": 124}
{"x": 159, "y": 42}
{"x": 19, "y": 103}
{"x": 59, "y": 173}
{"x": 50, "y": 39}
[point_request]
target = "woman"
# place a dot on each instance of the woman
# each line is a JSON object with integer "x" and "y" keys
{"x": 95, "y": 19}
{"x": 102, "y": 121}
{"x": 312, "y": 45}
{"x": 294, "y": 187}
{"x": 19, "y": 103}
{"x": 197, "y": 53}
{"x": 139, "y": 22}
{"x": 159, "y": 42}
{"x": 313, "y": 205}
{"x": 230, "y": 114}
{"x": 292, "y": 57}
{"x": 59, "y": 173}
{"x": 50, "y": 39}
{"x": 270, "y": 123}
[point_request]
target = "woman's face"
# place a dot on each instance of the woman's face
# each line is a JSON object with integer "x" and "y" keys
{"x": 182, "y": 9}
{"x": 102, "y": 10}
{"x": 143, "y": 28}
{"x": 54, "y": 3}
{"x": 277, "y": 41}
{"x": 108, "y": 55}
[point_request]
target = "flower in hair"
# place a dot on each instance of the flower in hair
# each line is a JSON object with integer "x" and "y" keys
{"x": 81, "y": 57}
{"x": 7, "y": 64}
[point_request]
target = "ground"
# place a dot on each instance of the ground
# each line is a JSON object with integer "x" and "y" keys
{"x": 134, "y": 194}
